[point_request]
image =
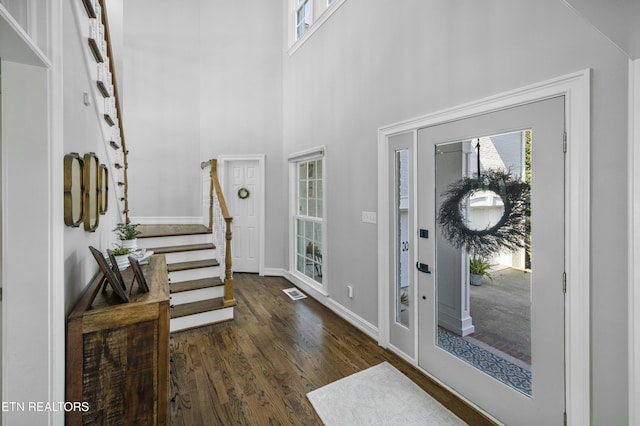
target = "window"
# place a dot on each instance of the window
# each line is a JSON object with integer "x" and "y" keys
{"x": 308, "y": 218}
{"x": 303, "y": 17}
{"x": 306, "y": 16}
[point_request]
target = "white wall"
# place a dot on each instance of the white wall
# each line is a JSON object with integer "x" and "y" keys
{"x": 161, "y": 92}
{"x": 201, "y": 81}
{"x": 84, "y": 131}
{"x": 375, "y": 63}
{"x": 26, "y": 277}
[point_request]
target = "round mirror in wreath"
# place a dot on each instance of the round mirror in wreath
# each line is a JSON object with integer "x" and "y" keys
{"x": 489, "y": 234}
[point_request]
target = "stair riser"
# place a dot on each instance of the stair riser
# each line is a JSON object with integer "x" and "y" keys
{"x": 186, "y": 256}
{"x": 194, "y": 274}
{"x": 196, "y": 295}
{"x": 174, "y": 240}
{"x": 201, "y": 319}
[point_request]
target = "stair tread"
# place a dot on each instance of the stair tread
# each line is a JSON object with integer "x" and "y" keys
{"x": 193, "y": 264}
{"x": 198, "y": 307}
{"x": 182, "y": 248}
{"x": 149, "y": 231}
{"x": 195, "y": 284}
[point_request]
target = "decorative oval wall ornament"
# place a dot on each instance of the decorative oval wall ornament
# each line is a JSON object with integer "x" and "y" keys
{"x": 73, "y": 189}
{"x": 243, "y": 193}
{"x": 103, "y": 189}
{"x": 507, "y": 234}
{"x": 91, "y": 206}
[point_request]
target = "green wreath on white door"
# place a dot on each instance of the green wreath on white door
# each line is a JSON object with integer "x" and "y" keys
{"x": 243, "y": 193}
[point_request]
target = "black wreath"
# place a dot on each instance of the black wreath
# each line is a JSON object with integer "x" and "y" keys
{"x": 506, "y": 235}
{"x": 243, "y": 193}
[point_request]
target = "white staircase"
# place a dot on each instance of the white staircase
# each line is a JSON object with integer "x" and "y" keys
{"x": 195, "y": 275}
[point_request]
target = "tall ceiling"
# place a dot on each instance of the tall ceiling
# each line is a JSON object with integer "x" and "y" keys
{"x": 619, "y": 20}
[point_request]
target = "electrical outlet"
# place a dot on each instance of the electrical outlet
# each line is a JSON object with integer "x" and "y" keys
{"x": 369, "y": 217}
{"x": 350, "y": 291}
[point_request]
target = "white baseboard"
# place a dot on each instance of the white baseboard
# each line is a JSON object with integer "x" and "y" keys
{"x": 353, "y": 319}
{"x": 273, "y": 272}
{"x": 167, "y": 220}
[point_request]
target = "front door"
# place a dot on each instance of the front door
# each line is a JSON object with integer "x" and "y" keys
{"x": 500, "y": 343}
{"x": 244, "y": 186}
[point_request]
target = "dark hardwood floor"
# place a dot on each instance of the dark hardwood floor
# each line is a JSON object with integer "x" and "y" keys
{"x": 258, "y": 368}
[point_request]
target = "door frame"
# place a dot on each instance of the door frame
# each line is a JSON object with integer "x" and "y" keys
{"x": 576, "y": 89}
{"x": 223, "y": 161}
{"x": 634, "y": 241}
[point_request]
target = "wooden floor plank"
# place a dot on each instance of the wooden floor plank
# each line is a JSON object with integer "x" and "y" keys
{"x": 258, "y": 368}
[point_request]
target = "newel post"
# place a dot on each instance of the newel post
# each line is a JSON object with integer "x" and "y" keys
{"x": 229, "y": 299}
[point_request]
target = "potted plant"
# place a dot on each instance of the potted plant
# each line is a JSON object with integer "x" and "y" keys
{"x": 404, "y": 301}
{"x": 122, "y": 256}
{"x": 128, "y": 233}
{"x": 478, "y": 268}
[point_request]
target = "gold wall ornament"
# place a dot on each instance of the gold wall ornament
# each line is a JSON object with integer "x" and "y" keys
{"x": 103, "y": 185}
{"x": 73, "y": 189}
{"x": 91, "y": 214}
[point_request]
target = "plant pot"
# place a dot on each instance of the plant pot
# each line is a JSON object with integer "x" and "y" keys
{"x": 130, "y": 244}
{"x": 475, "y": 279}
{"x": 122, "y": 261}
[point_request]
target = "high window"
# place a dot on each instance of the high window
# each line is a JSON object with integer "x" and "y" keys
{"x": 308, "y": 197}
{"x": 303, "y": 17}
{"x": 306, "y": 16}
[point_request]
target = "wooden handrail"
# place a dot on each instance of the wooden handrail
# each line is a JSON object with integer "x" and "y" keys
{"x": 112, "y": 69}
{"x": 229, "y": 299}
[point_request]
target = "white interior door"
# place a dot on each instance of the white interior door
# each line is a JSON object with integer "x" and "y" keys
{"x": 245, "y": 174}
{"x": 449, "y": 312}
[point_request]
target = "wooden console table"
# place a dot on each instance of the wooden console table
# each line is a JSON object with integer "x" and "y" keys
{"x": 118, "y": 353}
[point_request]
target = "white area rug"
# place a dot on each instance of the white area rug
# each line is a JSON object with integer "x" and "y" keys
{"x": 379, "y": 395}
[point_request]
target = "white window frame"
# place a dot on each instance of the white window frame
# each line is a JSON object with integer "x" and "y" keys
{"x": 301, "y": 4}
{"x": 295, "y": 160}
{"x": 321, "y": 11}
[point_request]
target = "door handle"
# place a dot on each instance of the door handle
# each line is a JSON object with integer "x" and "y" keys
{"x": 423, "y": 267}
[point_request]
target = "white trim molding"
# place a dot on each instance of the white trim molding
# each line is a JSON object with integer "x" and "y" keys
{"x": 576, "y": 89}
{"x": 634, "y": 242}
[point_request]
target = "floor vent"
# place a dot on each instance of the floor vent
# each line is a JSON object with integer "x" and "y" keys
{"x": 294, "y": 293}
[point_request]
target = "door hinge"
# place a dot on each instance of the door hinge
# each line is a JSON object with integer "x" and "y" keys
{"x": 564, "y": 282}
{"x": 564, "y": 142}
